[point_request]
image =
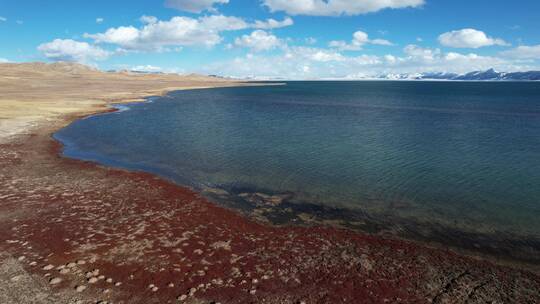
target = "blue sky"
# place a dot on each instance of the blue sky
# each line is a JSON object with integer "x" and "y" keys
{"x": 300, "y": 39}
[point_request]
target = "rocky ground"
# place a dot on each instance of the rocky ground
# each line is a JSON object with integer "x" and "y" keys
{"x": 75, "y": 232}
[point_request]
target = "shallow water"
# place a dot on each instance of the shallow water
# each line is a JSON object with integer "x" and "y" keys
{"x": 463, "y": 155}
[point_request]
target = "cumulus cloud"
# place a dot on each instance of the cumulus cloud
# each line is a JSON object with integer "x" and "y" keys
{"x": 415, "y": 52}
{"x": 71, "y": 50}
{"x": 4, "y": 60}
{"x": 3, "y": 19}
{"x": 468, "y": 38}
{"x": 223, "y": 23}
{"x": 314, "y": 54}
{"x": 258, "y": 41}
{"x": 125, "y": 36}
{"x": 358, "y": 41}
{"x": 272, "y": 23}
{"x": 148, "y": 19}
{"x": 146, "y": 68}
{"x": 300, "y": 62}
{"x": 293, "y": 63}
{"x": 194, "y": 6}
{"x": 337, "y": 7}
{"x": 157, "y": 35}
{"x": 524, "y": 52}
{"x": 99, "y": 20}
{"x": 381, "y": 42}
{"x": 178, "y": 31}
{"x": 470, "y": 62}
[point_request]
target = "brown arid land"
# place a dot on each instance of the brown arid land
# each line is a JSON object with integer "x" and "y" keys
{"x": 78, "y": 232}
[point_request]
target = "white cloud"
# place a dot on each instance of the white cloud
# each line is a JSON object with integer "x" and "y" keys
{"x": 315, "y": 54}
{"x": 148, "y": 19}
{"x": 157, "y": 35}
{"x": 124, "y": 36}
{"x": 19, "y": 22}
{"x": 418, "y": 53}
{"x": 223, "y": 23}
{"x": 472, "y": 61}
{"x": 468, "y": 38}
{"x": 71, "y": 50}
{"x": 179, "y": 31}
{"x": 194, "y": 6}
{"x": 146, "y": 68}
{"x": 381, "y": 42}
{"x": 316, "y": 63}
{"x": 293, "y": 63}
{"x": 524, "y": 52}
{"x": 390, "y": 58}
{"x": 358, "y": 41}
{"x": 418, "y": 59}
{"x": 99, "y": 20}
{"x": 258, "y": 41}
{"x": 4, "y": 60}
{"x": 344, "y": 46}
{"x": 272, "y": 23}
{"x": 337, "y": 7}
{"x": 3, "y": 19}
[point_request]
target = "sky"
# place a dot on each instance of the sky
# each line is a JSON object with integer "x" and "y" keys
{"x": 290, "y": 39}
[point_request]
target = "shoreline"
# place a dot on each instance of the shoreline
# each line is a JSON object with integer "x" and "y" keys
{"x": 378, "y": 252}
{"x": 132, "y": 237}
{"x": 259, "y": 206}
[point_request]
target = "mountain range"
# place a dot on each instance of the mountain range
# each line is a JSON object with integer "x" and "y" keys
{"x": 488, "y": 75}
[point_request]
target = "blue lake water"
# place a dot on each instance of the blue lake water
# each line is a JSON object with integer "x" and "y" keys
{"x": 454, "y": 154}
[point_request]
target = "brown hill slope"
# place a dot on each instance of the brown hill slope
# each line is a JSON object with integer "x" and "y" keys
{"x": 31, "y": 93}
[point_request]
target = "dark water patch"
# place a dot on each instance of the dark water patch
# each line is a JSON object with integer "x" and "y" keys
{"x": 259, "y": 203}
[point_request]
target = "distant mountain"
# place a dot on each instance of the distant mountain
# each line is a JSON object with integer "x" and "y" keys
{"x": 489, "y": 75}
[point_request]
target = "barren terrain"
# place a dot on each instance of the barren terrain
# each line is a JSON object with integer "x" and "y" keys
{"x": 76, "y": 232}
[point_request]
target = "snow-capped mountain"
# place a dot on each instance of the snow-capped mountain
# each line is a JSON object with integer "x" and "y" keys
{"x": 489, "y": 75}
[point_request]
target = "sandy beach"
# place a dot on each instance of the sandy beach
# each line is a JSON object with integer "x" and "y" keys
{"x": 77, "y": 232}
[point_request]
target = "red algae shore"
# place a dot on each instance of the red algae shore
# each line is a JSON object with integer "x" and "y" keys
{"x": 77, "y": 232}
{"x": 84, "y": 233}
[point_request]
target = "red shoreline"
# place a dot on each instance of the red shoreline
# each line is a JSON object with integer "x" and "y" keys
{"x": 143, "y": 230}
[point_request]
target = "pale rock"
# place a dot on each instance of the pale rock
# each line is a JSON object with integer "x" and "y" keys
{"x": 92, "y": 280}
{"x": 80, "y": 288}
{"x": 182, "y": 297}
